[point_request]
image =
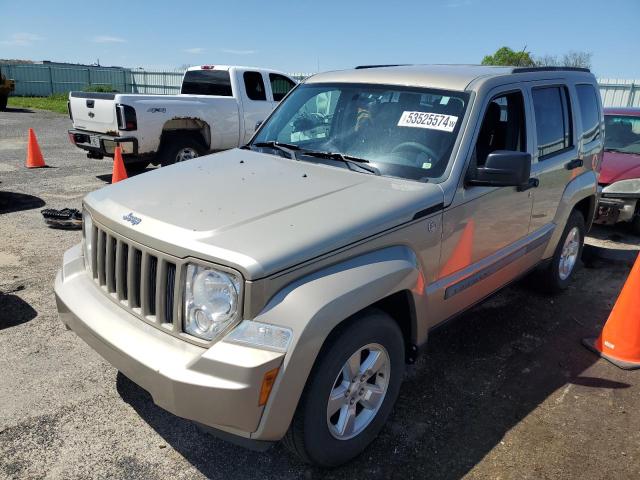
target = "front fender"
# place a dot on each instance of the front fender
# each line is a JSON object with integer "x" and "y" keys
{"x": 313, "y": 306}
{"x": 581, "y": 187}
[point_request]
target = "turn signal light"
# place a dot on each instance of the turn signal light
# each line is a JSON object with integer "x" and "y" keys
{"x": 267, "y": 384}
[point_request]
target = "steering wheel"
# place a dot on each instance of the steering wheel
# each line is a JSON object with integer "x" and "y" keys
{"x": 415, "y": 146}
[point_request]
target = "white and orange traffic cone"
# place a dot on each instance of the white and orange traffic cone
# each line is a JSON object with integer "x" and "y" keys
{"x": 34, "y": 155}
{"x": 119, "y": 172}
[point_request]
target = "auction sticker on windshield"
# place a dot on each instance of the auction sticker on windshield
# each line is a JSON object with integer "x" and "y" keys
{"x": 432, "y": 121}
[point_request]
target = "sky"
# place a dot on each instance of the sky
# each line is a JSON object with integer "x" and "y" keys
{"x": 307, "y": 36}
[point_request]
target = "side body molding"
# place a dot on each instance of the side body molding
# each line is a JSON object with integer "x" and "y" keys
{"x": 314, "y": 305}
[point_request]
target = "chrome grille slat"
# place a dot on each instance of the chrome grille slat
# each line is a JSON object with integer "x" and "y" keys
{"x": 144, "y": 284}
{"x": 121, "y": 270}
{"x": 110, "y": 264}
{"x": 102, "y": 237}
{"x": 161, "y": 282}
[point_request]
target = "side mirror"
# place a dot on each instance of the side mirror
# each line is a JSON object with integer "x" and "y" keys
{"x": 503, "y": 168}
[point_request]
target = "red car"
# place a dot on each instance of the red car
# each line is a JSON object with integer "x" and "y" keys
{"x": 620, "y": 174}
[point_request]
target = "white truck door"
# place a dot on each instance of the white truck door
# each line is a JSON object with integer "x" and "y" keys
{"x": 257, "y": 103}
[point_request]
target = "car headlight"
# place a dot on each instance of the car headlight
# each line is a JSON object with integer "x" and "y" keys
{"x": 87, "y": 238}
{"x": 630, "y": 188}
{"x": 210, "y": 302}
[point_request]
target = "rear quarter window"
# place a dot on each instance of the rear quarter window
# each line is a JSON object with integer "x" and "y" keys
{"x": 553, "y": 120}
{"x": 589, "y": 112}
{"x": 207, "y": 82}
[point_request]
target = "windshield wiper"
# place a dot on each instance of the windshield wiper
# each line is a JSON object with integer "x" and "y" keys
{"x": 349, "y": 160}
{"x": 287, "y": 148}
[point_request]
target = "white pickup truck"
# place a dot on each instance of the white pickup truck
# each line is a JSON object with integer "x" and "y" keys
{"x": 218, "y": 108}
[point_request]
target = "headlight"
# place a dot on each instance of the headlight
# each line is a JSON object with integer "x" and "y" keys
{"x": 87, "y": 238}
{"x": 211, "y": 301}
{"x": 626, "y": 188}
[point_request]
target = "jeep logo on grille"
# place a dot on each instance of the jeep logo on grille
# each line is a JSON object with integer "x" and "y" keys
{"x": 131, "y": 218}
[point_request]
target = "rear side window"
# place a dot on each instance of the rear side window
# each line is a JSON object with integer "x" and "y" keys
{"x": 280, "y": 86}
{"x": 589, "y": 112}
{"x": 254, "y": 86}
{"x": 207, "y": 82}
{"x": 553, "y": 124}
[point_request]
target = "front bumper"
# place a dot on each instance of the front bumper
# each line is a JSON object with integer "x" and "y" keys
{"x": 103, "y": 145}
{"x": 217, "y": 386}
{"x": 613, "y": 210}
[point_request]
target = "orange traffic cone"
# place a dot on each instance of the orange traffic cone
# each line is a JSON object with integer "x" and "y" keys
{"x": 34, "y": 155}
{"x": 119, "y": 172}
{"x": 462, "y": 254}
{"x": 619, "y": 341}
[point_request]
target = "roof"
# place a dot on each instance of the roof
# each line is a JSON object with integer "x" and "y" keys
{"x": 631, "y": 111}
{"x": 453, "y": 77}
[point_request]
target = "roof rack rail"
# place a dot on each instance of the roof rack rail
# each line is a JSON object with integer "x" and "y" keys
{"x": 549, "y": 69}
{"x": 360, "y": 67}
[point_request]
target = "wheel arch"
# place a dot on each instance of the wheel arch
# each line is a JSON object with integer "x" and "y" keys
{"x": 319, "y": 305}
{"x": 580, "y": 193}
{"x": 187, "y": 125}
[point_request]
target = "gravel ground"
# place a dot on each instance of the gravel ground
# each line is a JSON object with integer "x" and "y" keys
{"x": 505, "y": 392}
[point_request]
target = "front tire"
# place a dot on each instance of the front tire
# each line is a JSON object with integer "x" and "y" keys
{"x": 3, "y": 102}
{"x": 179, "y": 148}
{"x": 558, "y": 274}
{"x": 350, "y": 392}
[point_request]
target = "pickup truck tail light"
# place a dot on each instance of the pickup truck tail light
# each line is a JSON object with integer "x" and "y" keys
{"x": 126, "y": 117}
{"x": 69, "y": 110}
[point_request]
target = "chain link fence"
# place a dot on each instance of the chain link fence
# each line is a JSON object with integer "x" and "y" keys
{"x": 45, "y": 80}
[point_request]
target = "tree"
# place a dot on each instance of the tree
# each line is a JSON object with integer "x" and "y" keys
{"x": 507, "y": 57}
{"x": 569, "y": 59}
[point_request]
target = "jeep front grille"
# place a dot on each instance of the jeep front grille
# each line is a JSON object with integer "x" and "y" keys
{"x": 141, "y": 280}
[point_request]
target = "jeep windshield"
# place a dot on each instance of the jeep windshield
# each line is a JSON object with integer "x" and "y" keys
{"x": 398, "y": 131}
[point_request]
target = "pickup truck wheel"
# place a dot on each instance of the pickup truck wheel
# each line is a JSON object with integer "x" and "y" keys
{"x": 3, "y": 102}
{"x": 350, "y": 392}
{"x": 558, "y": 274}
{"x": 180, "y": 148}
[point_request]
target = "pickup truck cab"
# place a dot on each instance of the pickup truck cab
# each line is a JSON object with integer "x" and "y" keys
{"x": 282, "y": 293}
{"x": 218, "y": 108}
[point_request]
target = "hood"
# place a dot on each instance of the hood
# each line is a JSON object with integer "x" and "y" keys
{"x": 256, "y": 212}
{"x": 618, "y": 166}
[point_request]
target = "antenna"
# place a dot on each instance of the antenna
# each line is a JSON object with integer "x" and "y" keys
{"x": 521, "y": 55}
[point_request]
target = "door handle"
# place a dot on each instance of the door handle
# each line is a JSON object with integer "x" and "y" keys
{"x": 574, "y": 164}
{"x": 532, "y": 183}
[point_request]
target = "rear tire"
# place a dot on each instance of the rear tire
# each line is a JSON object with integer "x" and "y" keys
{"x": 3, "y": 102}
{"x": 558, "y": 274}
{"x": 180, "y": 147}
{"x": 371, "y": 345}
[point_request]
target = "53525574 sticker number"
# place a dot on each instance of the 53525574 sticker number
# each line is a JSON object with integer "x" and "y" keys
{"x": 430, "y": 120}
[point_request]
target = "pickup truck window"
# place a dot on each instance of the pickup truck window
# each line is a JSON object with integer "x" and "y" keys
{"x": 553, "y": 124}
{"x": 401, "y": 131}
{"x": 207, "y": 82}
{"x": 254, "y": 86}
{"x": 280, "y": 86}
